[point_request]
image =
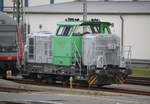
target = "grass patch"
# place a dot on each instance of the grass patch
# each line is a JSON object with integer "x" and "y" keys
{"x": 141, "y": 72}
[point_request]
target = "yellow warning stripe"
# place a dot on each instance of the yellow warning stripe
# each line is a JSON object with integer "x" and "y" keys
{"x": 92, "y": 80}
{"x": 120, "y": 79}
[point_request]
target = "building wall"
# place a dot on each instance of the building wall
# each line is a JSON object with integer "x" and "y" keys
{"x": 61, "y": 1}
{"x": 38, "y": 2}
{"x": 137, "y": 34}
{"x": 136, "y": 29}
{"x": 9, "y": 3}
{"x": 43, "y": 2}
{"x": 114, "y": 0}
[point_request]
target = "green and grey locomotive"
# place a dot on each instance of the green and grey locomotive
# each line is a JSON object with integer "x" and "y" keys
{"x": 87, "y": 51}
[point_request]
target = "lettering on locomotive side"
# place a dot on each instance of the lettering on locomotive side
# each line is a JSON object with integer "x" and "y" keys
{"x": 62, "y": 47}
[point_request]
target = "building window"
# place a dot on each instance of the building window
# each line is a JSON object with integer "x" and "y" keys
{"x": 51, "y": 1}
{"x": 26, "y": 3}
{"x": 1, "y": 5}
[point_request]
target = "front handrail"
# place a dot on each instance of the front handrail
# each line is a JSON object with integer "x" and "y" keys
{"x": 127, "y": 53}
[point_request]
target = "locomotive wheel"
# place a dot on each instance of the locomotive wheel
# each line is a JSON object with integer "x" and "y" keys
{"x": 65, "y": 83}
{"x": 34, "y": 76}
{"x": 50, "y": 81}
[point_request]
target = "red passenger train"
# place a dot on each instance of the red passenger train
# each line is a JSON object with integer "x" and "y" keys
{"x": 11, "y": 45}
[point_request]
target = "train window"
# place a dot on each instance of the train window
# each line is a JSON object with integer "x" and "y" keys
{"x": 64, "y": 30}
{"x": 95, "y": 28}
{"x": 8, "y": 38}
{"x": 80, "y": 30}
{"x": 60, "y": 30}
{"x": 106, "y": 30}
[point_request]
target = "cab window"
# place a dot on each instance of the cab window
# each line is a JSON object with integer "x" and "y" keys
{"x": 64, "y": 30}
{"x": 95, "y": 28}
{"x": 80, "y": 30}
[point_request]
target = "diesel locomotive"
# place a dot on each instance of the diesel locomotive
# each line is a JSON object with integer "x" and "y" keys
{"x": 85, "y": 51}
{"x": 11, "y": 46}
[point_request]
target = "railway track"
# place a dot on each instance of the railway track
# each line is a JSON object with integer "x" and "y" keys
{"x": 145, "y": 81}
{"x": 114, "y": 90}
{"x": 14, "y": 90}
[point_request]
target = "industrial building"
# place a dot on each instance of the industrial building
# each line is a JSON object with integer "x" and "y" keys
{"x": 136, "y": 20}
{"x": 130, "y": 18}
{"x": 27, "y": 3}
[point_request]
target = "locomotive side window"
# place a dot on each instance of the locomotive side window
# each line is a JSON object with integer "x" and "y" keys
{"x": 80, "y": 30}
{"x": 8, "y": 37}
{"x": 106, "y": 31}
{"x": 95, "y": 28}
{"x": 31, "y": 48}
{"x": 64, "y": 30}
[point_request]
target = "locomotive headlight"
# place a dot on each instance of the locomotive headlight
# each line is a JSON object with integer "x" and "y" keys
{"x": 111, "y": 46}
{"x": 97, "y": 71}
{"x": 79, "y": 77}
{"x": 122, "y": 62}
{"x": 105, "y": 67}
{"x": 14, "y": 49}
{"x": 3, "y": 49}
{"x": 124, "y": 71}
{"x": 63, "y": 72}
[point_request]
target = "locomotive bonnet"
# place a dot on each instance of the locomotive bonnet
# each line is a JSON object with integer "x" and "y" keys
{"x": 39, "y": 47}
{"x": 101, "y": 50}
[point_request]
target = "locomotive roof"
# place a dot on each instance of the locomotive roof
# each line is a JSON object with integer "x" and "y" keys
{"x": 41, "y": 34}
{"x": 82, "y": 23}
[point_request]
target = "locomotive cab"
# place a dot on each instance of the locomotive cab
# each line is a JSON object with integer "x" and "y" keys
{"x": 69, "y": 36}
